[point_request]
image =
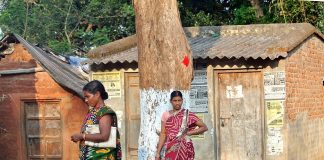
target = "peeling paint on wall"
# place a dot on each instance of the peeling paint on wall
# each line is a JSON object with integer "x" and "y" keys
{"x": 3, "y": 97}
{"x": 120, "y": 118}
{"x": 233, "y": 92}
{"x": 3, "y": 131}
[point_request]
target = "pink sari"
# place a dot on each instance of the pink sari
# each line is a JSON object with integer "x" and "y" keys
{"x": 179, "y": 149}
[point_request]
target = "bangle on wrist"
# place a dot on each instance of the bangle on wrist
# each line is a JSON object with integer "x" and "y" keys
{"x": 84, "y": 136}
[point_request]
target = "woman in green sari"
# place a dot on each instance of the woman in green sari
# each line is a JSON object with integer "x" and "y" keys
{"x": 102, "y": 115}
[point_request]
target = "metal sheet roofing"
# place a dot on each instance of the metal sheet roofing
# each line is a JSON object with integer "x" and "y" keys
{"x": 61, "y": 72}
{"x": 240, "y": 41}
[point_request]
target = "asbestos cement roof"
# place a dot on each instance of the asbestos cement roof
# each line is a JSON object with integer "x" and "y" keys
{"x": 64, "y": 74}
{"x": 238, "y": 41}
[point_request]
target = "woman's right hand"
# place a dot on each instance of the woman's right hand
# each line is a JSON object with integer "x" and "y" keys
{"x": 76, "y": 137}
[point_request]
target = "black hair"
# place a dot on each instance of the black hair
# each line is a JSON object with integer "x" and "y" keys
{"x": 175, "y": 94}
{"x": 95, "y": 86}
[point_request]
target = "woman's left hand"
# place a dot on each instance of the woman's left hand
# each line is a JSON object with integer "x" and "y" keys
{"x": 76, "y": 137}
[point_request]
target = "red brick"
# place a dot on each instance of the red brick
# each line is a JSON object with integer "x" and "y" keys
{"x": 304, "y": 73}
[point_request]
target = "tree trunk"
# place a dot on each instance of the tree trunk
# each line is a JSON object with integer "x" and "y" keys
{"x": 256, "y": 5}
{"x": 165, "y": 64}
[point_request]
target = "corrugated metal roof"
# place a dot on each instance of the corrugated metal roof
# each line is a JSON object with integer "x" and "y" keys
{"x": 239, "y": 41}
{"x": 61, "y": 72}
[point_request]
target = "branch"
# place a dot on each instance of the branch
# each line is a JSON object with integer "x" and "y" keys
{"x": 256, "y": 5}
{"x": 65, "y": 23}
{"x": 75, "y": 27}
{"x": 26, "y": 20}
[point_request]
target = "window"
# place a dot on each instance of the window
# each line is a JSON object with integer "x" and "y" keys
{"x": 43, "y": 130}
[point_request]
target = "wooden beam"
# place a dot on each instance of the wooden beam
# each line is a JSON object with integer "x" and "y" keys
{"x": 21, "y": 71}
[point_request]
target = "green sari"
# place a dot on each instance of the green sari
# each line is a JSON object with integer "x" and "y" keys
{"x": 95, "y": 153}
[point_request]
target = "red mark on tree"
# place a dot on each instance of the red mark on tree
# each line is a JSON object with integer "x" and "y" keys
{"x": 186, "y": 61}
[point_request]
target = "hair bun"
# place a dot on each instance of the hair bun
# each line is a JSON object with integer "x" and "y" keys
{"x": 105, "y": 95}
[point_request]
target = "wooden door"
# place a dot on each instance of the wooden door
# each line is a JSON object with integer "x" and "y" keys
{"x": 240, "y": 116}
{"x": 43, "y": 130}
{"x": 133, "y": 114}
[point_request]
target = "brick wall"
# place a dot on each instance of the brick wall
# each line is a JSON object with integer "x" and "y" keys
{"x": 14, "y": 88}
{"x": 305, "y": 101}
{"x": 304, "y": 77}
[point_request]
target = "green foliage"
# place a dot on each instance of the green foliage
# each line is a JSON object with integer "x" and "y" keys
{"x": 86, "y": 40}
{"x": 45, "y": 22}
{"x": 245, "y": 15}
{"x": 69, "y": 25}
{"x": 292, "y": 11}
{"x": 229, "y": 12}
{"x": 61, "y": 47}
{"x": 12, "y": 16}
{"x": 200, "y": 14}
{"x": 118, "y": 15}
{"x": 320, "y": 23}
{"x": 199, "y": 19}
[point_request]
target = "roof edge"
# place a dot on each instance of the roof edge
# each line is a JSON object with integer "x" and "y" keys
{"x": 113, "y": 47}
{"x": 311, "y": 31}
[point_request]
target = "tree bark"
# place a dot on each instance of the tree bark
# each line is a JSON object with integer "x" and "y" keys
{"x": 256, "y": 5}
{"x": 165, "y": 64}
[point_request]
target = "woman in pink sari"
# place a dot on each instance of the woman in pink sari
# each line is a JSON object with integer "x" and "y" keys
{"x": 177, "y": 125}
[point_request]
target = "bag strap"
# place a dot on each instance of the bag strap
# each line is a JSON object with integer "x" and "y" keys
{"x": 184, "y": 123}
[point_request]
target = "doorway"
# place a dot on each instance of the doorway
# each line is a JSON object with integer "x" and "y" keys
{"x": 133, "y": 114}
{"x": 239, "y": 115}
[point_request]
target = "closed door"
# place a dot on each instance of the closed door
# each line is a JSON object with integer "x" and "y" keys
{"x": 240, "y": 116}
{"x": 43, "y": 130}
{"x": 133, "y": 114}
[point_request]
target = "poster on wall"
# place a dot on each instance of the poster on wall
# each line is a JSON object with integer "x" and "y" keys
{"x": 111, "y": 81}
{"x": 275, "y": 115}
{"x": 274, "y": 141}
{"x": 274, "y": 94}
{"x": 274, "y": 85}
{"x": 199, "y": 92}
{"x": 275, "y": 112}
